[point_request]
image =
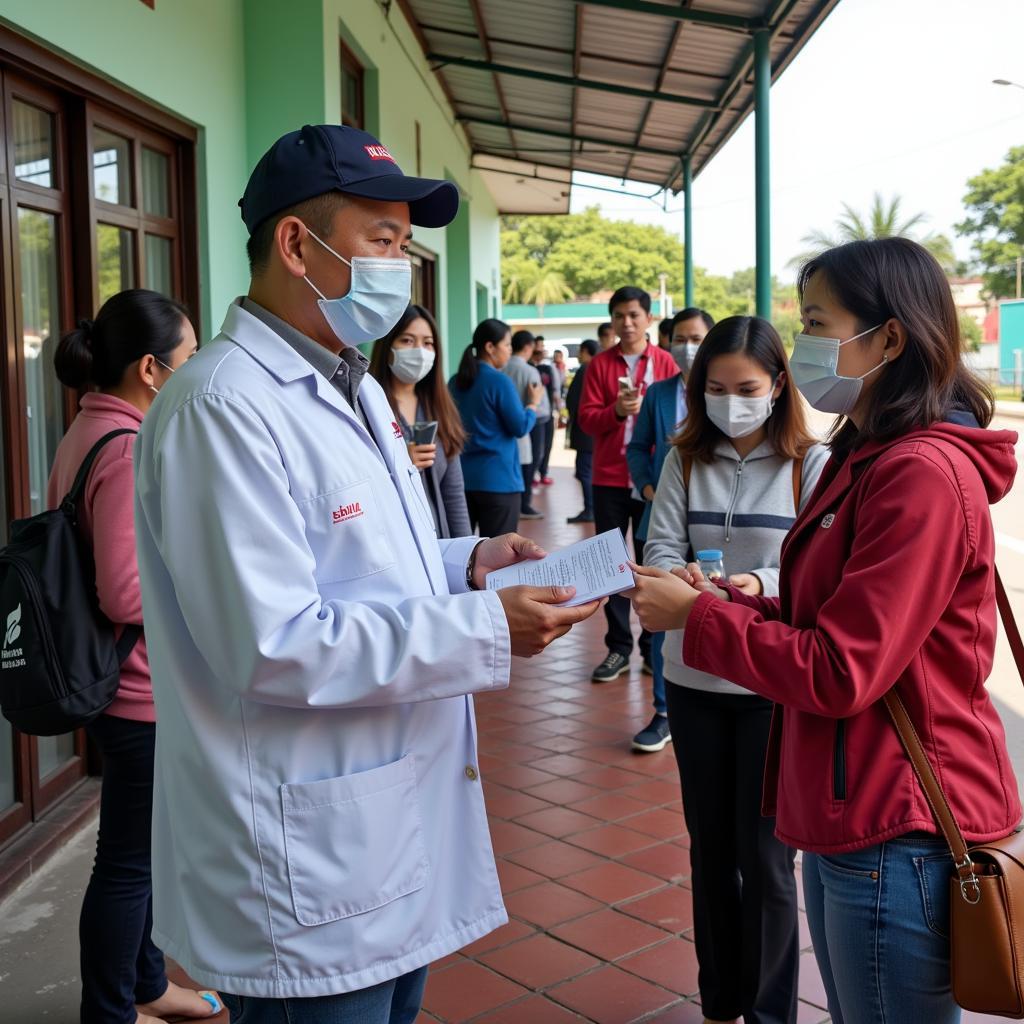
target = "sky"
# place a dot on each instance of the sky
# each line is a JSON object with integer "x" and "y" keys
{"x": 890, "y": 96}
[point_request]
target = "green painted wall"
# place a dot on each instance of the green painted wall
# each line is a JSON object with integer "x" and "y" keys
{"x": 246, "y": 71}
{"x": 188, "y": 57}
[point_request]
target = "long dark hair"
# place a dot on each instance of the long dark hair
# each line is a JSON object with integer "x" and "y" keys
{"x": 488, "y": 332}
{"x": 895, "y": 278}
{"x": 758, "y": 340}
{"x": 431, "y": 392}
{"x": 129, "y": 325}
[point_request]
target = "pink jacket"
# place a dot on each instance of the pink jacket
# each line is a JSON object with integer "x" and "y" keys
{"x": 107, "y": 522}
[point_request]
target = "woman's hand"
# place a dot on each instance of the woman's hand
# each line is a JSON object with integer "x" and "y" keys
{"x": 747, "y": 583}
{"x": 662, "y": 600}
{"x": 694, "y": 575}
{"x": 422, "y": 455}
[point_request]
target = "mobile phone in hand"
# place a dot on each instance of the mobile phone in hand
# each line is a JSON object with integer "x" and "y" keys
{"x": 626, "y": 385}
{"x": 424, "y": 433}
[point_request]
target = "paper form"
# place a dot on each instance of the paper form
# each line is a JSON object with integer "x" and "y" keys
{"x": 596, "y": 567}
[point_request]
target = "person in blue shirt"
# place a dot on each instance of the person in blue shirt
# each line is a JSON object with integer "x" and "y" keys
{"x": 660, "y": 417}
{"x": 495, "y": 418}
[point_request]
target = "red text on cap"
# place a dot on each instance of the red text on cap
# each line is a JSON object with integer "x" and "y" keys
{"x": 379, "y": 152}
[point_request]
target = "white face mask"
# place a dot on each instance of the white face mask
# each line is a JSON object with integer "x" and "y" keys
{"x": 411, "y": 365}
{"x": 684, "y": 353}
{"x": 738, "y": 415}
{"x": 377, "y": 297}
{"x": 814, "y": 368}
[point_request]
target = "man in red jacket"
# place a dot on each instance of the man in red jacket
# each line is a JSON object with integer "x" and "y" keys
{"x": 607, "y": 413}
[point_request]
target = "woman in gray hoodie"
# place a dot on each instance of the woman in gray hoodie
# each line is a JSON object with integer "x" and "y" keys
{"x": 734, "y": 481}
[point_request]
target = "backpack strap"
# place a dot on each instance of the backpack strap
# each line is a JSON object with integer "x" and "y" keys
{"x": 70, "y": 503}
{"x": 126, "y": 642}
{"x": 798, "y": 475}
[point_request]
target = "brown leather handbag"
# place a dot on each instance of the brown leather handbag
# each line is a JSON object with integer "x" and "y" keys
{"x": 986, "y": 925}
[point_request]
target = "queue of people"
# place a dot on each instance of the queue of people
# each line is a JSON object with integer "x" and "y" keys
{"x": 309, "y": 666}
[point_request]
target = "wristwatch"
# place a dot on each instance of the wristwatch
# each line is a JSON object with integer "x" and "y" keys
{"x": 471, "y": 566}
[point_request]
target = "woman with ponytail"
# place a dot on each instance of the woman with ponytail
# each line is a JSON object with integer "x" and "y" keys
{"x": 121, "y": 360}
{"x": 495, "y": 419}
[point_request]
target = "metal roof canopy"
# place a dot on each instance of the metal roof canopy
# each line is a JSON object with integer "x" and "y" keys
{"x": 623, "y": 88}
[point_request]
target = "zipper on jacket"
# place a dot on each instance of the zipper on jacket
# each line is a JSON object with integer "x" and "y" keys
{"x": 839, "y": 762}
{"x": 733, "y": 498}
{"x": 42, "y": 623}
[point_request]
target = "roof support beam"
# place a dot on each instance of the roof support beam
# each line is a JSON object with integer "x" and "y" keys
{"x": 576, "y": 43}
{"x": 732, "y": 21}
{"x": 569, "y": 80}
{"x": 481, "y": 28}
{"x": 624, "y": 147}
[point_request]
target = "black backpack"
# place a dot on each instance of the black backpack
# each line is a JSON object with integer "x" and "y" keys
{"x": 60, "y": 666}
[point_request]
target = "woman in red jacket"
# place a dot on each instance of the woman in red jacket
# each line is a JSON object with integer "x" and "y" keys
{"x": 886, "y": 579}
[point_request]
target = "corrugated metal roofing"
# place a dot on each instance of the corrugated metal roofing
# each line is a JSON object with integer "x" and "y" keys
{"x": 624, "y": 88}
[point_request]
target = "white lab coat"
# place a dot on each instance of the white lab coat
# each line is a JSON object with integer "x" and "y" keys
{"x": 318, "y": 820}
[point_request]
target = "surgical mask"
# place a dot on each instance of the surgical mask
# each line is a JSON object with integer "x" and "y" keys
{"x": 684, "y": 353}
{"x": 814, "y": 370}
{"x": 169, "y": 369}
{"x": 738, "y": 415}
{"x": 377, "y": 297}
{"x": 411, "y": 365}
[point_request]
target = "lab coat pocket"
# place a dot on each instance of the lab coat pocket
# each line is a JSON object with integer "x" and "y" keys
{"x": 345, "y": 530}
{"x": 353, "y": 843}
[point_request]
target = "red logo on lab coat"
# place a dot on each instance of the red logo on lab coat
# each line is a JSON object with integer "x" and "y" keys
{"x": 396, "y": 428}
{"x": 347, "y": 512}
{"x": 378, "y": 152}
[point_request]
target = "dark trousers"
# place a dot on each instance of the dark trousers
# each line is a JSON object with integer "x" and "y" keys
{"x": 495, "y": 514}
{"x": 543, "y": 435}
{"x": 392, "y": 1002}
{"x": 524, "y": 503}
{"x": 615, "y": 508}
{"x": 120, "y": 964}
{"x": 584, "y": 473}
{"x": 744, "y": 889}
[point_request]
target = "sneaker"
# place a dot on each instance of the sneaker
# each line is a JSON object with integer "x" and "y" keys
{"x": 531, "y": 513}
{"x": 611, "y": 668}
{"x": 654, "y": 737}
{"x": 583, "y": 517}
{"x": 547, "y": 481}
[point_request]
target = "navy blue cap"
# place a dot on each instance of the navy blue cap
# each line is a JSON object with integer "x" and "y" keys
{"x": 333, "y": 158}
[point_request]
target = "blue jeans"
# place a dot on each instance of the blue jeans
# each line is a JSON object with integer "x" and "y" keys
{"x": 658, "y": 672}
{"x": 879, "y": 921}
{"x": 392, "y": 1002}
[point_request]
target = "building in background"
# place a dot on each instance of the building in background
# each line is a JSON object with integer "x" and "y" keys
{"x": 127, "y": 130}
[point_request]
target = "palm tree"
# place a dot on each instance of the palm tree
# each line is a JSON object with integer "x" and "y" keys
{"x": 882, "y": 221}
{"x": 548, "y": 287}
{"x": 518, "y": 275}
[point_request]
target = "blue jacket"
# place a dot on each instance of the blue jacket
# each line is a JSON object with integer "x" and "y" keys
{"x": 494, "y": 418}
{"x": 655, "y": 424}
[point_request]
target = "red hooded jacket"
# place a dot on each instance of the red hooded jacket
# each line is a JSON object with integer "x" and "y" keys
{"x": 597, "y": 407}
{"x": 886, "y": 577}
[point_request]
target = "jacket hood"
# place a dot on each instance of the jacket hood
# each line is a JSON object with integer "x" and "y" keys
{"x": 991, "y": 451}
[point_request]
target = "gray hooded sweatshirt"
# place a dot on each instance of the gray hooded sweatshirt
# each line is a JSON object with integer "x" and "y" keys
{"x": 743, "y": 507}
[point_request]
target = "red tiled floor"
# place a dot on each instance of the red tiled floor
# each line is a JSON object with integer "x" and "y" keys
{"x": 611, "y": 996}
{"x": 535, "y": 1010}
{"x": 539, "y": 961}
{"x": 510, "y": 803}
{"x": 549, "y": 904}
{"x": 671, "y": 964}
{"x": 556, "y": 859}
{"x": 665, "y": 860}
{"x": 670, "y": 908}
{"x": 513, "y": 877}
{"x": 507, "y": 836}
{"x": 511, "y": 932}
{"x": 464, "y": 990}
{"x": 611, "y": 840}
{"x": 611, "y": 806}
{"x": 564, "y": 791}
{"x": 609, "y": 934}
{"x": 558, "y": 822}
{"x": 612, "y": 882}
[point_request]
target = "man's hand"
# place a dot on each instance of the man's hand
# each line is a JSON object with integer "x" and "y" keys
{"x": 693, "y": 575}
{"x": 534, "y": 618}
{"x": 747, "y": 583}
{"x": 535, "y": 393}
{"x": 648, "y": 493}
{"x": 628, "y": 404}
{"x": 497, "y": 552}
{"x": 423, "y": 455}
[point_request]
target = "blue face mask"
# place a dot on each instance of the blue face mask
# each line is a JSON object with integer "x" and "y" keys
{"x": 814, "y": 370}
{"x": 377, "y": 297}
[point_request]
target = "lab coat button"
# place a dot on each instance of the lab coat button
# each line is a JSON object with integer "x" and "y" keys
{"x": 470, "y": 773}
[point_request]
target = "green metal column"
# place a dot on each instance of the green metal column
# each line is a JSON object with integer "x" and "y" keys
{"x": 688, "y": 228}
{"x": 762, "y": 171}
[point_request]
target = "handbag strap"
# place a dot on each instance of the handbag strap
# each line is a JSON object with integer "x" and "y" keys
{"x": 930, "y": 785}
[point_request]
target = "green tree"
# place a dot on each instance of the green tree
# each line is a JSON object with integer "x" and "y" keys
{"x": 971, "y": 333}
{"x": 883, "y": 220}
{"x": 548, "y": 287}
{"x": 995, "y": 221}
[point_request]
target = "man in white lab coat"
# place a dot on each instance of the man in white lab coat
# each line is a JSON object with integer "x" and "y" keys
{"x": 319, "y": 832}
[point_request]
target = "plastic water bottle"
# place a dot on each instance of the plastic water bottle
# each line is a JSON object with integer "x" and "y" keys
{"x": 711, "y": 563}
